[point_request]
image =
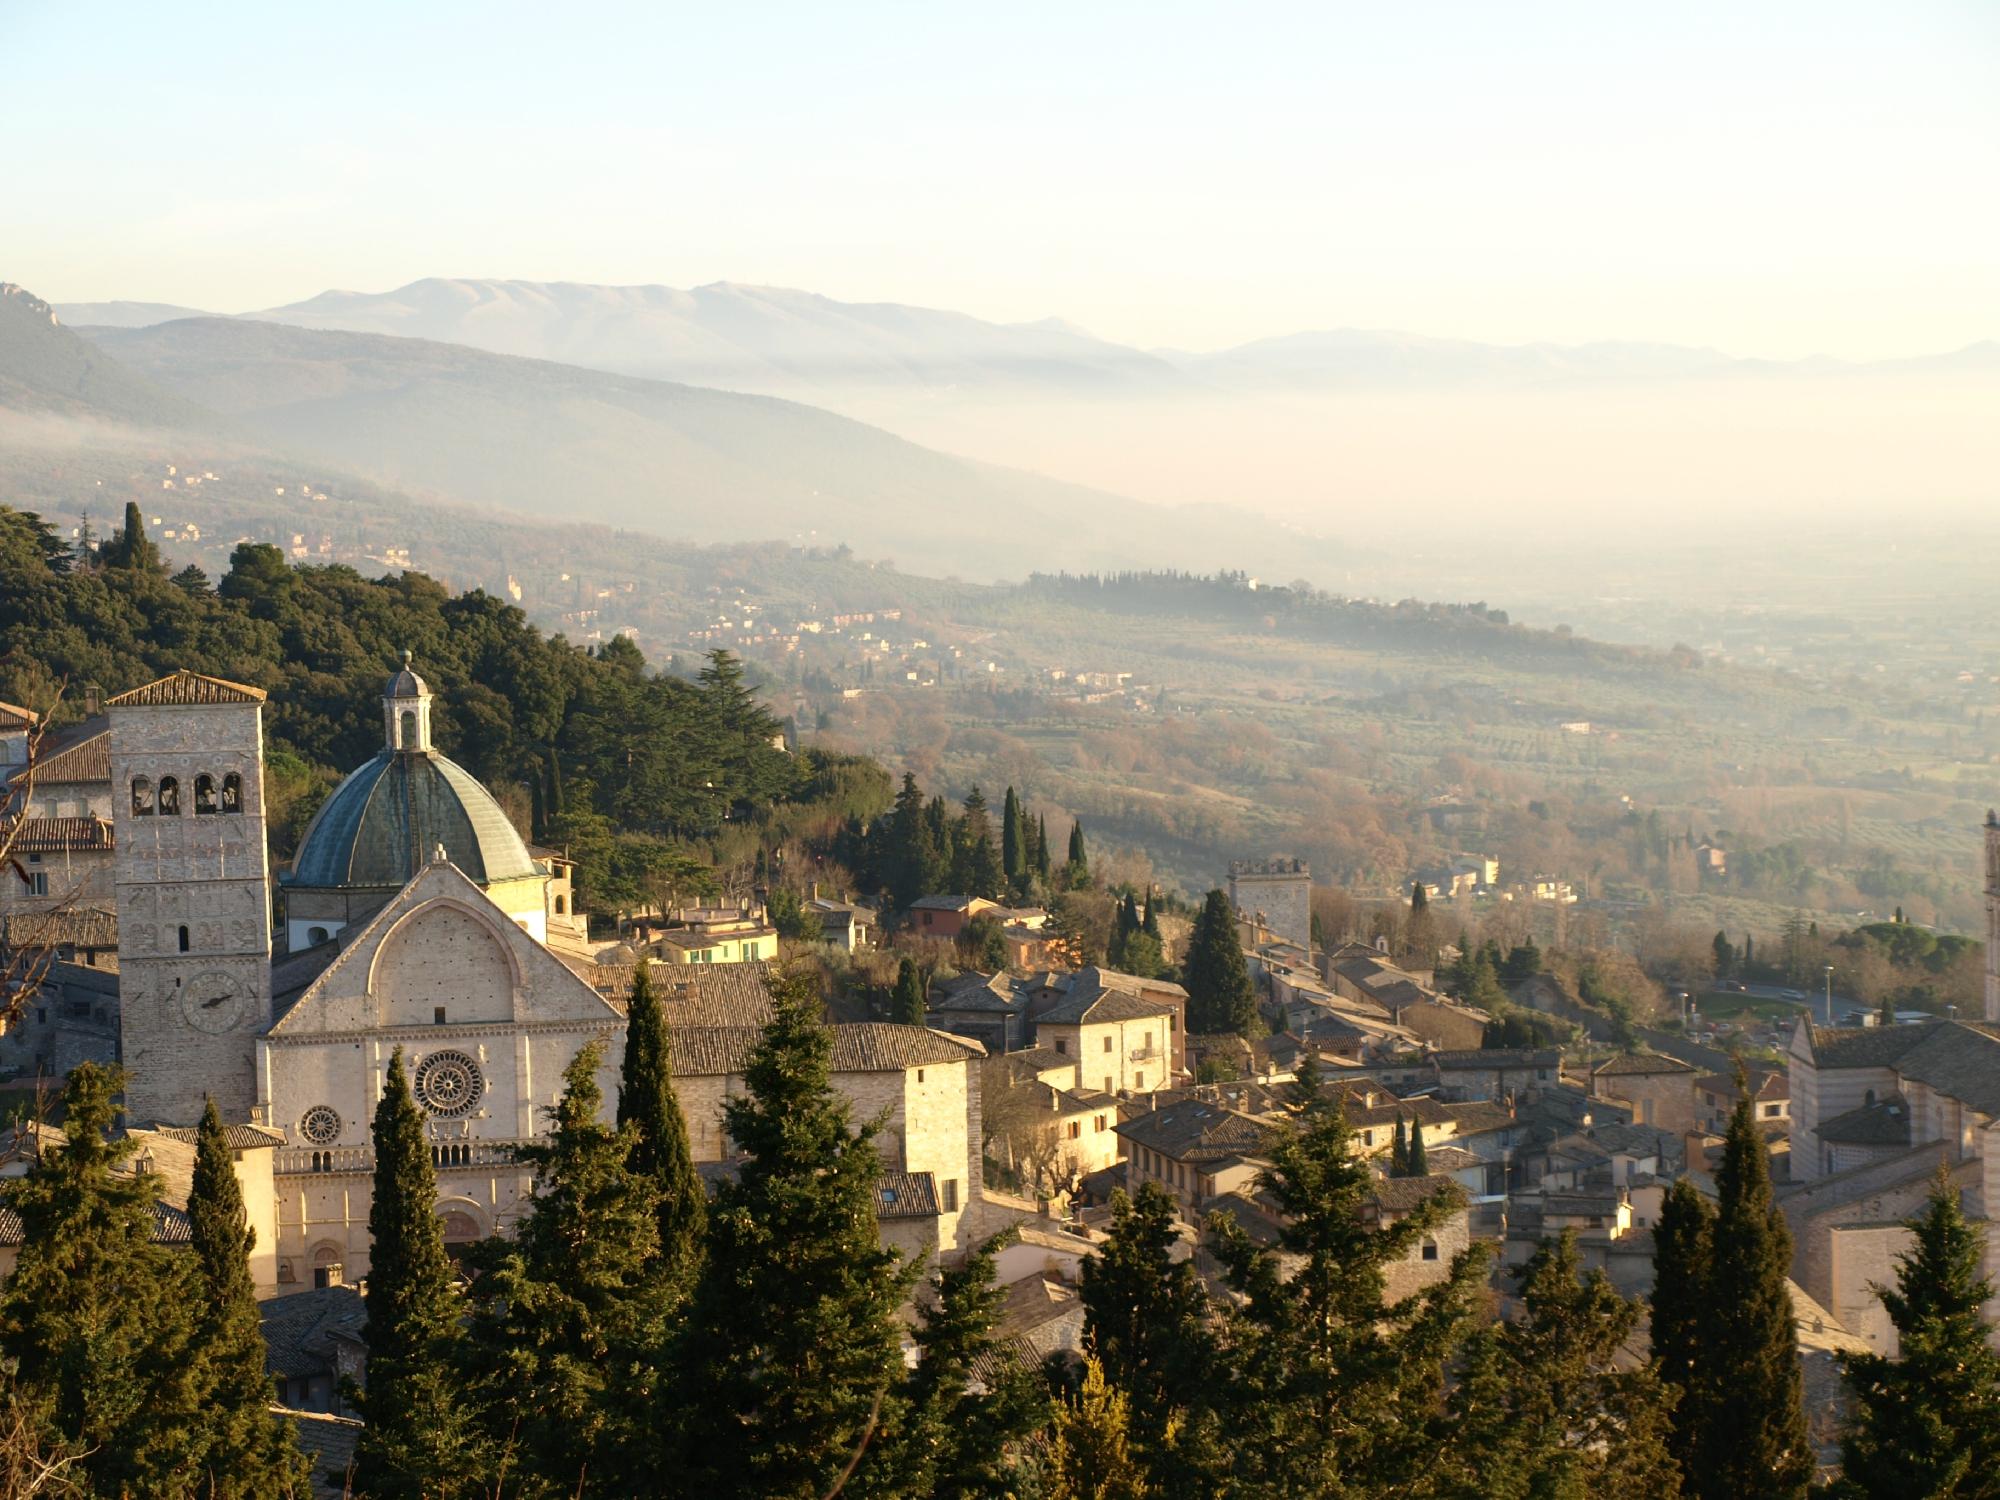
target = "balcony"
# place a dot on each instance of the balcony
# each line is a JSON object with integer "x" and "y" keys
{"x": 310, "y": 1161}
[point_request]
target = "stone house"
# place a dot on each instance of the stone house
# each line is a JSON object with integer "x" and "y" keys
{"x": 1428, "y": 1261}
{"x": 1494, "y": 1072}
{"x": 1127, "y": 1034}
{"x": 1716, "y": 1095}
{"x": 1193, "y": 1149}
{"x": 1659, "y": 1089}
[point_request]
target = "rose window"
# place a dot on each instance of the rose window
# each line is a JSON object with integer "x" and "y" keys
{"x": 449, "y": 1084}
{"x": 320, "y": 1125}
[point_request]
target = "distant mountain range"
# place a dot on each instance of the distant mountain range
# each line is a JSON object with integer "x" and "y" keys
{"x": 780, "y": 341}
{"x": 564, "y": 444}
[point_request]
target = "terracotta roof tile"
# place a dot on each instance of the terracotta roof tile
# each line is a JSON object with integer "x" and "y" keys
{"x": 183, "y": 687}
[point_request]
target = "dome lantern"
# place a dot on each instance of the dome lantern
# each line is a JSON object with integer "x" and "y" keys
{"x": 406, "y": 711}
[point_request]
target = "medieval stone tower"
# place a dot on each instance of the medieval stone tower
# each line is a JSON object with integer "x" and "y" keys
{"x": 1993, "y": 916}
{"x": 1279, "y": 891}
{"x": 194, "y": 926}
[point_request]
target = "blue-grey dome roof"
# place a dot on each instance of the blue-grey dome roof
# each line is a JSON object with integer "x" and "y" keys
{"x": 382, "y": 824}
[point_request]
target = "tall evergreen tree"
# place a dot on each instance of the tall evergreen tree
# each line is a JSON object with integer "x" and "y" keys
{"x": 1151, "y": 926}
{"x": 131, "y": 549}
{"x": 1092, "y": 1456}
{"x": 906, "y": 1003}
{"x": 1042, "y": 859}
{"x": 795, "y": 1363}
{"x": 1399, "y": 1151}
{"x": 1146, "y": 1321}
{"x": 569, "y": 1313}
{"x": 1220, "y": 997}
{"x": 98, "y": 1320}
{"x": 1331, "y": 1389}
{"x": 1683, "y": 1252}
{"x": 1543, "y": 1408}
{"x": 1725, "y": 954}
{"x": 1013, "y": 839}
{"x": 1416, "y": 1164}
{"x": 1076, "y": 873}
{"x": 1927, "y": 1421}
{"x": 419, "y": 1441}
{"x": 1756, "y": 1441}
{"x": 912, "y": 862}
{"x": 1524, "y": 962}
{"x": 250, "y": 1453}
{"x": 651, "y": 1110}
{"x": 969, "y": 1403}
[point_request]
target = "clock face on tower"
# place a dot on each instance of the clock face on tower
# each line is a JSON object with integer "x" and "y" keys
{"x": 213, "y": 1001}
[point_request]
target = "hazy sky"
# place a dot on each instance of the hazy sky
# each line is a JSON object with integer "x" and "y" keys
{"x": 1777, "y": 179}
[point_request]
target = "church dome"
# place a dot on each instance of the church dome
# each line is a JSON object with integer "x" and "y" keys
{"x": 386, "y": 821}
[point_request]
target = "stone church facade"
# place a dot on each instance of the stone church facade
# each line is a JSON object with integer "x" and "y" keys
{"x": 415, "y": 916}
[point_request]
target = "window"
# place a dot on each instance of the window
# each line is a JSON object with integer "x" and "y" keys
{"x": 927, "y": 919}
{"x": 1430, "y": 1249}
{"x": 38, "y": 883}
{"x": 561, "y": 906}
{"x": 1075, "y": 1129}
{"x": 142, "y": 797}
{"x": 1062, "y": 1045}
{"x": 1099, "y": 1123}
{"x": 184, "y": 939}
{"x": 1107, "y": 1044}
{"x": 1110, "y": 1084}
{"x": 437, "y": 1015}
{"x": 204, "y": 795}
{"x": 1149, "y": 1041}
{"x": 1542, "y": 1074}
{"x": 948, "y": 1191}
{"x": 409, "y": 736}
{"x": 316, "y": 935}
{"x": 170, "y": 797}
{"x": 1770, "y": 1111}
{"x": 1138, "y": 1080}
{"x": 1367, "y": 1137}
{"x": 232, "y": 793}
{"x": 920, "y": 1075}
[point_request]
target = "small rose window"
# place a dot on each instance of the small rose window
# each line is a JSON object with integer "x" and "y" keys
{"x": 320, "y": 1125}
{"x": 449, "y": 1084}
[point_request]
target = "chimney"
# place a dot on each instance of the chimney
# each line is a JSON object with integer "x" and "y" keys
{"x": 93, "y": 700}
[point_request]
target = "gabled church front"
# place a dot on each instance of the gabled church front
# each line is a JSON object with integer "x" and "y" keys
{"x": 416, "y": 917}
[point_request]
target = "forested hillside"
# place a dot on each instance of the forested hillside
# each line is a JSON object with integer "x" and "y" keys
{"x": 576, "y": 743}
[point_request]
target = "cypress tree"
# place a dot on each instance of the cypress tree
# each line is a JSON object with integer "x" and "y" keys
{"x": 1151, "y": 927}
{"x": 569, "y": 1314}
{"x": 1543, "y": 1408}
{"x": 1399, "y": 1151}
{"x": 1077, "y": 872}
{"x": 98, "y": 1319}
{"x": 1146, "y": 1323}
{"x": 419, "y": 1442}
{"x": 131, "y": 549}
{"x": 1042, "y": 857}
{"x": 1416, "y": 1164}
{"x": 794, "y": 1365}
{"x": 1927, "y": 1422}
{"x": 906, "y": 1002}
{"x": 1755, "y": 1441}
{"x": 1013, "y": 839}
{"x": 650, "y": 1109}
{"x": 1220, "y": 997}
{"x": 251, "y": 1453}
{"x": 1682, "y": 1255}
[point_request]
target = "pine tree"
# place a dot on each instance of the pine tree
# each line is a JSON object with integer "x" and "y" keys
{"x": 906, "y": 1004}
{"x": 912, "y": 862}
{"x": 1755, "y": 1441}
{"x": 1399, "y": 1151}
{"x": 794, "y": 1363}
{"x": 419, "y": 1442}
{"x": 1092, "y": 1455}
{"x": 983, "y": 876}
{"x": 1523, "y": 963}
{"x": 1683, "y": 1251}
{"x": 251, "y": 1454}
{"x": 1220, "y": 997}
{"x": 569, "y": 1313}
{"x": 1416, "y": 1164}
{"x": 649, "y": 1107}
{"x": 1927, "y": 1422}
{"x": 1146, "y": 1322}
{"x": 1543, "y": 1407}
{"x": 98, "y": 1320}
{"x": 969, "y": 1403}
{"x": 1013, "y": 840}
{"x": 1725, "y": 954}
{"x": 1329, "y": 1388}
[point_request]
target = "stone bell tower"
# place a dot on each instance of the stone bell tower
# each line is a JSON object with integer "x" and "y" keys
{"x": 194, "y": 925}
{"x": 1993, "y": 916}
